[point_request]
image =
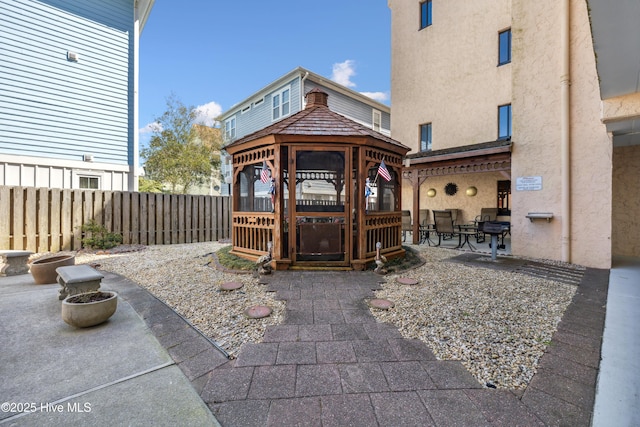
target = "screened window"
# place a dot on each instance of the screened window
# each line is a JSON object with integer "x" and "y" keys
{"x": 504, "y": 47}
{"x": 425, "y": 14}
{"x": 504, "y": 121}
{"x": 425, "y": 137}
{"x": 89, "y": 182}
{"x": 281, "y": 103}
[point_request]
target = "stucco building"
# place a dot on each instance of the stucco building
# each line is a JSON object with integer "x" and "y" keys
{"x": 528, "y": 103}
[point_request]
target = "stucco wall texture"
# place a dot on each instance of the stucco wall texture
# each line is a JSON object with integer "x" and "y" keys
{"x": 447, "y": 75}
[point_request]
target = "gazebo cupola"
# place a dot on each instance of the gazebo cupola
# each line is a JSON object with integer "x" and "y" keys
{"x": 300, "y": 190}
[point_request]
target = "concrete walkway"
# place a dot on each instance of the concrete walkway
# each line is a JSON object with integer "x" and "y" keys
{"x": 115, "y": 374}
{"x": 618, "y": 391}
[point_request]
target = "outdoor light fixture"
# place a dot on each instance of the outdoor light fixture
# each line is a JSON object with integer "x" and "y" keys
{"x": 472, "y": 191}
{"x": 72, "y": 56}
{"x": 431, "y": 192}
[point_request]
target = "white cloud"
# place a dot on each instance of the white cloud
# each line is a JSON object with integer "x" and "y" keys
{"x": 377, "y": 96}
{"x": 343, "y": 71}
{"x": 207, "y": 113}
{"x": 150, "y": 128}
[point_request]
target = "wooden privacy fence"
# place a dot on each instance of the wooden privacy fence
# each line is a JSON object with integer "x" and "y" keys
{"x": 50, "y": 220}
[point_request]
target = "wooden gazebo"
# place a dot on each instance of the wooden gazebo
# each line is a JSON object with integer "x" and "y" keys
{"x": 317, "y": 162}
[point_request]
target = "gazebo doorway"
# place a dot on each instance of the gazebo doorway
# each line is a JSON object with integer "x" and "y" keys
{"x": 322, "y": 224}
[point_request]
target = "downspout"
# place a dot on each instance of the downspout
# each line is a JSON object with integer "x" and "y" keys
{"x": 565, "y": 127}
{"x": 306, "y": 74}
{"x": 134, "y": 172}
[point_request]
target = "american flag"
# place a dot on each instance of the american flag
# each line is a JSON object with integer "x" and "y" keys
{"x": 383, "y": 172}
{"x": 264, "y": 174}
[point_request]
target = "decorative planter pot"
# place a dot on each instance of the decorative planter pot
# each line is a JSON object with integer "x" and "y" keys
{"x": 43, "y": 270}
{"x": 89, "y": 309}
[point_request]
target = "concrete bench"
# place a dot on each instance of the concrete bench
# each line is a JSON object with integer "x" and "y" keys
{"x": 78, "y": 279}
{"x": 14, "y": 262}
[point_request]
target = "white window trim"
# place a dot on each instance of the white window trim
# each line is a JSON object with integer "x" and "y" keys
{"x": 376, "y": 120}
{"x": 279, "y": 93}
{"x": 77, "y": 174}
{"x": 232, "y": 130}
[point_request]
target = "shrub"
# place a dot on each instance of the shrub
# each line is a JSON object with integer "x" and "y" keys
{"x": 97, "y": 236}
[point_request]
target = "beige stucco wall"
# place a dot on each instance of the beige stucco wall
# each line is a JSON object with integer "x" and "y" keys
{"x": 537, "y": 139}
{"x": 626, "y": 203}
{"x": 448, "y": 75}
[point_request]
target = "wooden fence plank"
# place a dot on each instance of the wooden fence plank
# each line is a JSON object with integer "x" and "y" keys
{"x": 98, "y": 207}
{"x": 126, "y": 218}
{"x": 107, "y": 208}
{"x": 201, "y": 219}
{"x": 65, "y": 220}
{"x": 54, "y": 220}
{"x": 207, "y": 219}
{"x": 152, "y": 219}
{"x": 135, "y": 218}
{"x": 144, "y": 238}
{"x": 188, "y": 232}
{"x": 43, "y": 216}
{"x": 31, "y": 219}
{"x": 5, "y": 217}
{"x": 77, "y": 218}
{"x": 181, "y": 223}
{"x": 159, "y": 219}
{"x": 174, "y": 219}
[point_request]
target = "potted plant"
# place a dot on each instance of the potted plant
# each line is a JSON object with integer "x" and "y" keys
{"x": 89, "y": 309}
{"x": 43, "y": 269}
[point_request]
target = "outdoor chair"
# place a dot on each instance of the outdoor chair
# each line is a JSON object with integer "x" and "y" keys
{"x": 424, "y": 226}
{"x": 443, "y": 225}
{"x": 406, "y": 224}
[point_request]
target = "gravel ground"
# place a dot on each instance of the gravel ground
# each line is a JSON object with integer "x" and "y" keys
{"x": 182, "y": 277}
{"x": 497, "y": 323}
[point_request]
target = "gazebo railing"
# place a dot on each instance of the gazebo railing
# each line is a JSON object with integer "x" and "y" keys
{"x": 252, "y": 232}
{"x": 386, "y": 228}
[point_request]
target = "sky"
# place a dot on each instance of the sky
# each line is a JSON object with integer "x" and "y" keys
{"x": 212, "y": 54}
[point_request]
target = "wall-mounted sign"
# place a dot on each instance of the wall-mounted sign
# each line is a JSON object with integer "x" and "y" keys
{"x": 528, "y": 183}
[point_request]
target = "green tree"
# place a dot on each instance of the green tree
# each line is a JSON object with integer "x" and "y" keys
{"x": 177, "y": 155}
{"x": 146, "y": 185}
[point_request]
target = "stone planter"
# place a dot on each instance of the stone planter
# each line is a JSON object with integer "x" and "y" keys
{"x": 43, "y": 270}
{"x": 80, "y": 314}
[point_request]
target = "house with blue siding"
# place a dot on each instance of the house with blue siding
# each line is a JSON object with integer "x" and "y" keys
{"x": 68, "y": 93}
{"x": 285, "y": 97}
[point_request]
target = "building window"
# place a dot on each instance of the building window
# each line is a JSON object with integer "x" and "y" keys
{"x": 281, "y": 103}
{"x": 504, "y": 198}
{"x": 504, "y": 47}
{"x": 89, "y": 182}
{"x": 230, "y": 128}
{"x": 504, "y": 121}
{"x": 425, "y": 14}
{"x": 425, "y": 137}
{"x": 377, "y": 120}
